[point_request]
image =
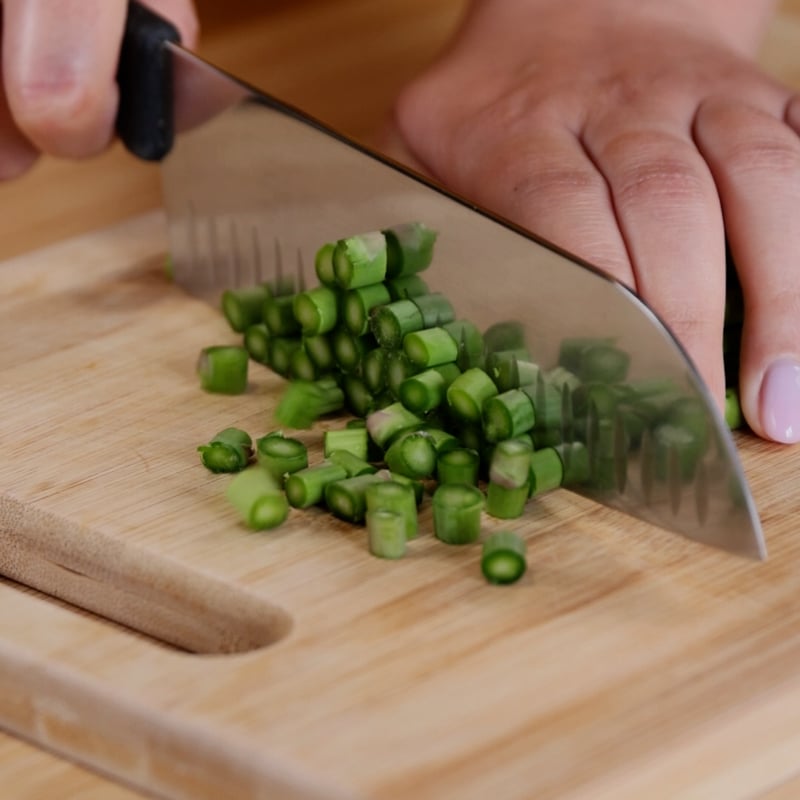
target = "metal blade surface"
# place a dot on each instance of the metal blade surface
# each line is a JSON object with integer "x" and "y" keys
{"x": 254, "y": 186}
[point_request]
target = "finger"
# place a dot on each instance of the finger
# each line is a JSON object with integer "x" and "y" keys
{"x": 17, "y": 155}
{"x": 755, "y": 159}
{"x": 544, "y": 181}
{"x": 793, "y": 113}
{"x": 182, "y": 14}
{"x": 59, "y": 63}
{"x": 668, "y": 212}
{"x": 529, "y": 168}
{"x": 390, "y": 142}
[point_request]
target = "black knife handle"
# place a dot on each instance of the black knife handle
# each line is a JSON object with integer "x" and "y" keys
{"x": 144, "y": 75}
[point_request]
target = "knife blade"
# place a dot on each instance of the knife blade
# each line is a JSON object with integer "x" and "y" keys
{"x": 251, "y": 183}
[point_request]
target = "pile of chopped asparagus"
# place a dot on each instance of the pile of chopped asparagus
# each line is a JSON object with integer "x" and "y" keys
{"x": 437, "y": 406}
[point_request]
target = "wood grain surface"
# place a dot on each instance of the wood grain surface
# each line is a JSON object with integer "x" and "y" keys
{"x": 647, "y": 662}
{"x": 628, "y": 663}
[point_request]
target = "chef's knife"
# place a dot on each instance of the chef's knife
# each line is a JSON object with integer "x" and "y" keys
{"x": 251, "y": 183}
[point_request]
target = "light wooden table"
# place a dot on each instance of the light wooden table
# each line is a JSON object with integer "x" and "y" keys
{"x": 305, "y": 53}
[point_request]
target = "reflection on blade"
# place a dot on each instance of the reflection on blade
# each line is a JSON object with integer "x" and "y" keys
{"x": 259, "y": 180}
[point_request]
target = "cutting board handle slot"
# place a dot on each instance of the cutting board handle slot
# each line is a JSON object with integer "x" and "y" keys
{"x": 157, "y": 597}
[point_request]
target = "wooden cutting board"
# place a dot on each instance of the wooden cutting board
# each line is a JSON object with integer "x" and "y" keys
{"x": 627, "y": 663}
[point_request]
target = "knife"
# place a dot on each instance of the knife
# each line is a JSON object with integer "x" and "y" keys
{"x": 251, "y": 182}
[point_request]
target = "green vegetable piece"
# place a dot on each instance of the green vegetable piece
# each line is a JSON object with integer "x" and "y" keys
{"x": 351, "y": 463}
{"x": 504, "y": 557}
{"x": 603, "y": 363}
{"x": 430, "y": 347}
{"x": 442, "y": 440}
{"x": 677, "y": 451}
{"x": 598, "y": 399}
{"x": 373, "y": 369}
{"x": 358, "y": 399}
{"x": 360, "y": 260}
{"x": 472, "y": 438}
{"x": 347, "y": 498}
{"x": 412, "y": 455}
{"x": 386, "y": 423}
{"x": 281, "y": 455}
{"x": 396, "y": 498}
{"x": 733, "y": 409}
{"x": 256, "y": 342}
{"x": 506, "y": 502}
{"x": 398, "y": 369}
{"x": 470, "y": 343}
{"x": 229, "y": 451}
{"x": 316, "y": 310}
{"x": 353, "y": 440}
{"x": 268, "y": 511}
{"x": 301, "y": 367}
{"x": 571, "y": 350}
{"x": 426, "y": 390}
{"x": 359, "y": 303}
{"x": 459, "y": 465}
{"x": 562, "y": 378}
{"x": 243, "y": 307}
{"x": 348, "y": 350}
{"x": 281, "y": 353}
{"x": 575, "y": 465}
{"x": 418, "y": 487}
{"x": 306, "y": 487}
{"x": 386, "y": 534}
{"x": 304, "y": 402}
{"x": 320, "y": 352}
{"x": 457, "y": 513}
{"x": 223, "y": 369}
{"x": 546, "y": 471}
{"x": 507, "y": 369}
{"x": 390, "y": 323}
{"x": 435, "y": 308}
{"x": 409, "y": 248}
{"x": 257, "y": 496}
{"x": 690, "y": 413}
{"x": 508, "y": 335}
{"x": 511, "y": 463}
{"x": 323, "y": 264}
{"x": 279, "y": 316}
{"x": 467, "y": 394}
{"x": 548, "y": 405}
{"x": 406, "y": 286}
{"x": 507, "y": 415}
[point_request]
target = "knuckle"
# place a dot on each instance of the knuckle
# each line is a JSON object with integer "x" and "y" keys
{"x": 753, "y": 142}
{"x": 532, "y": 177}
{"x": 776, "y": 302}
{"x": 693, "y": 327}
{"x": 414, "y": 109}
{"x": 762, "y": 152}
{"x": 653, "y": 166}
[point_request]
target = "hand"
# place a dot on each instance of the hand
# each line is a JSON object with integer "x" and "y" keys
{"x": 58, "y": 93}
{"x": 635, "y": 135}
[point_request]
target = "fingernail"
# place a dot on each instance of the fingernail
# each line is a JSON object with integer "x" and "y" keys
{"x": 780, "y": 401}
